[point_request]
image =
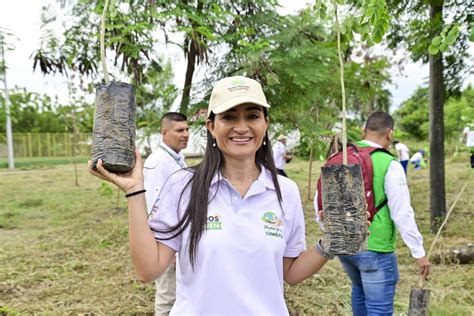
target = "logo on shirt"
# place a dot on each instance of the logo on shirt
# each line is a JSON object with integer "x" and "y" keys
{"x": 272, "y": 225}
{"x": 214, "y": 222}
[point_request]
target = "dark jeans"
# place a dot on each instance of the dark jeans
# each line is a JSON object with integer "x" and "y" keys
{"x": 282, "y": 172}
{"x": 404, "y": 165}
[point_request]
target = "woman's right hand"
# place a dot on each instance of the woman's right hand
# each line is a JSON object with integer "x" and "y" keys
{"x": 130, "y": 181}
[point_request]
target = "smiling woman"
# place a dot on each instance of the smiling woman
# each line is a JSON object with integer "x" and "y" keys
{"x": 239, "y": 132}
{"x": 237, "y": 227}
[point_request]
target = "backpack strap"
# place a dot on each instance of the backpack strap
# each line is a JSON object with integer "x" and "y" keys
{"x": 372, "y": 150}
{"x": 382, "y": 205}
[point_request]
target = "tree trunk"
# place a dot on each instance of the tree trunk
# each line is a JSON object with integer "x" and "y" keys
{"x": 437, "y": 172}
{"x": 462, "y": 255}
{"x": 188, "y": 81}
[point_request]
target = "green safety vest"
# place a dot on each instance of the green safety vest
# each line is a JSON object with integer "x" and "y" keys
{"x": 383, "y": 234}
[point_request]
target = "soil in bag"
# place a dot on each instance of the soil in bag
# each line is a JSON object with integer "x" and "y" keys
{"x": 345, "y": 213}
{"x": 113, "y": 138}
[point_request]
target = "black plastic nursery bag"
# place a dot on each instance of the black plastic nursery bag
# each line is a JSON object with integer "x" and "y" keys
{"x": 345, "y": 211}
{"x": 113, "y": 138}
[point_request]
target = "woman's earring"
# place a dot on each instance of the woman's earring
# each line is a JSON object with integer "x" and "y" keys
{"x": 264, "y": 142}
{"x": 214, "y": 142}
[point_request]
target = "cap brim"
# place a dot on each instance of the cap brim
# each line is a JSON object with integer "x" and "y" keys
{"x": 236, "y": 102}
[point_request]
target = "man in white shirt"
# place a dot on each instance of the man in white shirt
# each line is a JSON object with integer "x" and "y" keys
{"x": 280, "y": 155}
{"x": 417, "y": 159}
{"x": 403, "y": 154}
{"x": 164, "y": 161}
{"x": 374, "y": 273}
{"x": 468, "y": 135}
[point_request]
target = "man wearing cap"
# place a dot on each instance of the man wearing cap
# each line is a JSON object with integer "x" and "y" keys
{"x": 280, "y": 155}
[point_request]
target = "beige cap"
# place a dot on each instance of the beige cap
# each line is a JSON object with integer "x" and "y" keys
{"x": 233, "y": 91}
{"x": 281, "y": 137}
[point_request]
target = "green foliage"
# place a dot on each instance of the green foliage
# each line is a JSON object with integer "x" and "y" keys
{"x": 458, "y": 113}
{"x": 414, "y": 29}
{"x": 298, "y": 68}
{"x": 471, "y": 34}
{"x": 413, "y": 116}
{"x": 129, "y": 33}
{"x": 369, "y": 18}
{"x": 31, "y": 112}
{"x": 366, "y": 83}
{"x": 294, "y": 57}
{"x": 154, "y": 96}
{"x": 448, "y": 37}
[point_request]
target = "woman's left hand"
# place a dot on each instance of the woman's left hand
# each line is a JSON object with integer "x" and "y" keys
{"x": 128, "y": 182}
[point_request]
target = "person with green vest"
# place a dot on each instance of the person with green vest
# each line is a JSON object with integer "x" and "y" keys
{"x": 374, "y": 273}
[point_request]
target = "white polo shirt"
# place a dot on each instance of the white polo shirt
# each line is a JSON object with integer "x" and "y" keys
{"x": 279, "y": 151}
{"x": 402, "y": 151}
{"x": 239, "y": 264}
{"x": 156, "y": 170}
{"x": 469, "y": 137}
{"x": 416, "y": 157}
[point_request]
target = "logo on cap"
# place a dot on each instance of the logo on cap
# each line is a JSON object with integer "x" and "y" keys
{"x": 237, "y": 84}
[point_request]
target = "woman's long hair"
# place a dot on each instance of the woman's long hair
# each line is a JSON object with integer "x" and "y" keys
{"x": 195, "y": 214}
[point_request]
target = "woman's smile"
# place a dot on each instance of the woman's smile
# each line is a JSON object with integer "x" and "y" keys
{"x": 241, "y": 140}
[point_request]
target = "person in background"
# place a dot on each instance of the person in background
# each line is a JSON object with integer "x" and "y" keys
{"x": 403, "y": 154}
{"x": 165, "y": 160}
{"x": 468, "y": 136}
{"x": 417, "y": 159}
{"x": 374, "y": 273}
{"x": 236, "y": 225}
{"x": 280, "y": 155}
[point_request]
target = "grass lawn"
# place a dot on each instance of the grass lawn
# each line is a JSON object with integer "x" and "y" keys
{"x": 63, "y": 248}
{"x": 25, "y": 163}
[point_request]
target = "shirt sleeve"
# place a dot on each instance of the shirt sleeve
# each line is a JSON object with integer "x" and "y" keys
{"x": 401, "y": 211}
{"x": 153, "y": 180}
{"x": 275, "y": 151}
{"x": 156, "y": 171}
{"x": 168, "y": 210}
{"x": 295, "y": 241}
